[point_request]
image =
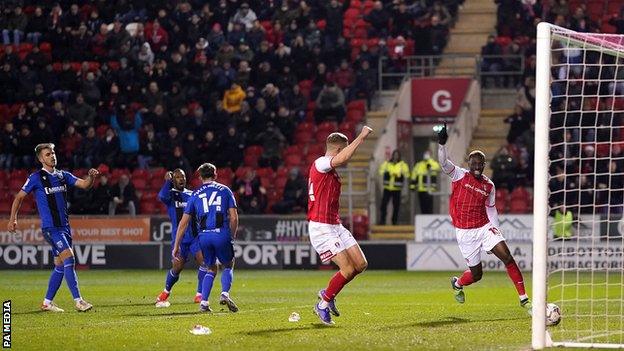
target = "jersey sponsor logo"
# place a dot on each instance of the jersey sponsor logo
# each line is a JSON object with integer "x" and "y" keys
{"x": 470, "y": 186}
{"x": 55, "y": 189}
{"x": 180, "y": 204}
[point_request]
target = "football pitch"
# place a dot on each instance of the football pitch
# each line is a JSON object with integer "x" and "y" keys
{"x": 384, "y": 310}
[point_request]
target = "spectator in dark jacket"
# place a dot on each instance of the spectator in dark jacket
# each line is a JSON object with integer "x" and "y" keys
{"x": 123, "y": 197}
{"x": 295, "y": 194}
{"x": 88, "y": 152}
{"x": 81, "y": 114}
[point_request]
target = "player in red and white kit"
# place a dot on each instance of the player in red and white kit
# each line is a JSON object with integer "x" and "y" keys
{"x": 473, "y": 212}
{"x": 329, "y": 238}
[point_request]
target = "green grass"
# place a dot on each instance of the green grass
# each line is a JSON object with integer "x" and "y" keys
{"x": 380, "y": 310}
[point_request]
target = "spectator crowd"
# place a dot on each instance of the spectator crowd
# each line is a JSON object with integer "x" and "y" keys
{"x": 170, "y": 84}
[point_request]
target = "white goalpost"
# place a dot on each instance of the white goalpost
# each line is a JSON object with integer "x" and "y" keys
{"x": 578, "y": 246}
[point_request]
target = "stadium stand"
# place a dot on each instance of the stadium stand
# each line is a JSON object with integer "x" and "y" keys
{"x": 188, "y": 82}
{"x": 516, "y": 35}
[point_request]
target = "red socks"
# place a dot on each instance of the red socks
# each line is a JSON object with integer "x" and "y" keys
{"x": 516, "y": 277}
{"x": 466, "y": 278}
{"x": 336, "y": 283}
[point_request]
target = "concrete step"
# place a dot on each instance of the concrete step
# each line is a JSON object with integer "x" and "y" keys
{"x": 391, "y": 236}
{"x": 496, "y": 112}
{"x": 392, "y": 228}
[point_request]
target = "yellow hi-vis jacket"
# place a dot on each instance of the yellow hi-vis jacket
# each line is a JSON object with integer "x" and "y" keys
{"x": 394, "y": 175}
{"x": 420, "y": 172}
{"x": 562, "y": 225}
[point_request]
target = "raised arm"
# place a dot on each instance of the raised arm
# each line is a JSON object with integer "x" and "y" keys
{"x": 87, "y": 183}
{"x": 345, "y": 154}
{"x": 165, "y": 192}
{"x": 447, "y": 166}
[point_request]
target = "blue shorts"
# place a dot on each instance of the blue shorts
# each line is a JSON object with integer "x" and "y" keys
{"x": 189, "y": 248}
{"x": 59, "y": 237}
{"x": 216, "y": 246}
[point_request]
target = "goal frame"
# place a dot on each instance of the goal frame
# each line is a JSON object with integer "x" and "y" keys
{"x": 540, "y": 337}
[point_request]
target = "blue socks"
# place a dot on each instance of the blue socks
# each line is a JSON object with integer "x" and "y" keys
{"x": 201, "y": 272}
{"x": 70, "y": 277}
{"x": 226, "y": 279}
{"x": 172, "y": 278}
{"x": 207, "y": 285}
{"x": 56, "y": 278}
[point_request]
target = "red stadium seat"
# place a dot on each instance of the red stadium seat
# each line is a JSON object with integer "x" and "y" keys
{"x": 292, "y": 160}
{"x": 302, "y": 138}
{"x": 357, "y": 105}
{"x": 352, "y": 13}
{"x": 225, "y": 175}
{"x": 519, "y": 206}
{"x": 141, "y": 173}
{"x": 147, "y": 207}
{"x": 265, "y": 172}
{"x": 254, "y": 150}
{"x": 5, "y": 208}
{"x": 315, "y": 149}
{"x": 355, "y": 116}
{"x": 240, "y": 171}
{"x": 15, "y": 184}
{"x": 280, "y": 182}
{"x": 140, "y": 183}
{"x": 251, "y": 161}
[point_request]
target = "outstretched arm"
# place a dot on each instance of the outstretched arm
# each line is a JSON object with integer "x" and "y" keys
{"x": 447, "y": 166}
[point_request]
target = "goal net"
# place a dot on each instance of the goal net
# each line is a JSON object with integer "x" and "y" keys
{"x": 578, "y": 249}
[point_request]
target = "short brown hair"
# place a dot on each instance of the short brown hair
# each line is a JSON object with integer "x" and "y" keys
{"x": 336, "y": 138}
{"x": 207, "y": 171}
{"x": 43, "y": 146}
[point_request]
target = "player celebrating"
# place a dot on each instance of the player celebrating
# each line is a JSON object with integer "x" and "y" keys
{"x": 476, "y": 221}
{"x": 330, "y": 239}
{"x": 175, "y": 196}
{"x": 50, "y": 186}
{"x": 214, "y": 208}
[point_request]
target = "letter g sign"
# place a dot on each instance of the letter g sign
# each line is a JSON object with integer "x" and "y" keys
{"x": 441, "y": 101}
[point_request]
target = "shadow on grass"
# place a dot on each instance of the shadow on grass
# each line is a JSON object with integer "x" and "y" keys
{"x": 447, "y": 321}
{"x": 170, "y": 314}
{"x": 269, "y": 332}
{"x": 31, "y": 312}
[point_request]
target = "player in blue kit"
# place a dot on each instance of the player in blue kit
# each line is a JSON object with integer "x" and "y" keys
{"x": 50, "y": 187}
{"x": 214, "y": 209}
{"x": 175, "y": 196}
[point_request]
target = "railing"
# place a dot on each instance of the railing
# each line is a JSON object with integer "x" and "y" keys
{"x": 391, "y": 74}
{"x": 347, "y": 173}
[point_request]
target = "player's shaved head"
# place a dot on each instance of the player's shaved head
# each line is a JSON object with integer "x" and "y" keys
{"x": 336, "y": 141}
{"x": 179, "y": 170}
{"x": 207, "y": 171}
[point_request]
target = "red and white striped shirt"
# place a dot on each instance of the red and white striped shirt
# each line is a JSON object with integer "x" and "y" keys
{"x": 323, "y": 192}
{"x": 470, "y": 196}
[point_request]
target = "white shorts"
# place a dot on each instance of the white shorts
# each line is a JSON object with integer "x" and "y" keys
{"x": 329, "y": 239}
{"x": 472, "y": 241}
